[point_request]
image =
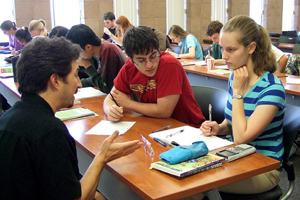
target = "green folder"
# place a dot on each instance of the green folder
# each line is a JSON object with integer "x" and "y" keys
{"x": 73, "y": 113}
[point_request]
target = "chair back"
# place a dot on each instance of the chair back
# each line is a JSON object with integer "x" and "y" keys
{"x": 209, "y": 95}
{"x": 291, "y": 124}
{"x": 286, "y": 39}
{"x": 296, "y": 49}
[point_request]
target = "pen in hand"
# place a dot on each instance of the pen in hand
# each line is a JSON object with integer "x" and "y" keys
{"x": 114, "y": 99}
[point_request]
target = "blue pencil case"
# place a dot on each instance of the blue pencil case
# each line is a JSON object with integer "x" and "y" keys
{"x": 183, "y": 153}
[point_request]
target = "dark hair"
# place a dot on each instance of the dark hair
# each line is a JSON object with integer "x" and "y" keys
{"x": 139, "y": 40}
{"x": 58, "y": 31}
{"x": 249, "y": 31}
{"x": 82, "y": 34}
{"x": 7, "y": 25}
{"x": 109, "y": 16}
{"x": 43, "y": 57}
{"x": 213, "y": 27}
{"x": 23, "y": 34}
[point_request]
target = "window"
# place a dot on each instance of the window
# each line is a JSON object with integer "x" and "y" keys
{"x": 219, "y": 10}
{"x": 7, "y": 9}
{"x": 66, "y": 13}
{"x": 128, "y": 8}
{"x": 256, "y": 10}
{"x": 288, "y": 15}
{"x": 176, "y": 13}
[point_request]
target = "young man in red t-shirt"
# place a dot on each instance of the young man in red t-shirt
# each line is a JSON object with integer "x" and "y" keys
{"x": 157, "y": 78}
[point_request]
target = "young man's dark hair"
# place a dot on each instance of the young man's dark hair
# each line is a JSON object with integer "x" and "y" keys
{"x": 41, "y": 58}
{"x": 82, "y": 34}
{"x": 109, "y": 16}
{"x": 140, "y": 40}
{"x": 58, "y": 31}
{"x": 213, "y": 27}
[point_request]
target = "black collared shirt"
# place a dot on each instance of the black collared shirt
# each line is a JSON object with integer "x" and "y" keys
{"x": 37, "y": 154}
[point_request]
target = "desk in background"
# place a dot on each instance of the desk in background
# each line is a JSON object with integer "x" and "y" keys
{"x": 198, "y": 75}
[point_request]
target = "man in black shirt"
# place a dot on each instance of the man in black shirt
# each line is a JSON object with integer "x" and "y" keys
{"x": 109, "y": 20}
{"x": 37, "y": 154}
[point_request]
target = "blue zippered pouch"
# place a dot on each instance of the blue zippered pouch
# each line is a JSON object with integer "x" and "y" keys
{"x": 183, "y": 153}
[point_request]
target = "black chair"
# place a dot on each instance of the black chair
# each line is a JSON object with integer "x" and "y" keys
{"x": 296, "y": 49}
{"x": 291, "y": 126}
{"x": 290, "y": 33}
{"x": 286, "y": 39}
{"x": 216, "y": 97}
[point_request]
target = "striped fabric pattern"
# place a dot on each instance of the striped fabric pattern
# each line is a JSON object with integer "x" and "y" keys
{"x": 267, "y": 91}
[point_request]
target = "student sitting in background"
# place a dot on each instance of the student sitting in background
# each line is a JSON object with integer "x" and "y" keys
{"x": 110, "y": 23}
{"x": 157, "y": 78}
{"x": 256, "y": 100}
{"x": 58, "y": 31}
{"x": 110, "y": 56}
{"x": 213, "y": 31}
{"x": 23, "y": 36}
{"x": 38, "y": 28}
{"x": 9, "y": 28}
{"x": 188, "y": 43}
{"x": 122, "y": 25}
{"x": 38, "y": 154}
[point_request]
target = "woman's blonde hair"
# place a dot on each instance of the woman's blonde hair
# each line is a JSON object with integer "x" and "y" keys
{"x": 37, "y": 25}
{"x": 249, "y": 31}
{"x": 178, "y": 31}
{"x": 124, "y": 23}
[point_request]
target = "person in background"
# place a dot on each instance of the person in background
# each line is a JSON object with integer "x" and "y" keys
{"x": 164, "y": 43}
{"x": 42, "y": 164}
{"x": 38, "y": 28}
{"x": 213, "y": 31}
{"x": 9, "y": 28}
{"x": 110, "y": 56}
{"x": 122, "y": 25}
{"x": 58, "y": 31}
{"x": 157, "y": 78}
{"x": 256, "y": 100}
{"x": 110, "y": 23}
{"x": 188, "y": 43}
{"x": 23, "y": 37}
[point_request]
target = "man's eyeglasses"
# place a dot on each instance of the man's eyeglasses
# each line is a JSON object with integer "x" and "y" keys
{"x": 148, "y": 148}
{"x": 153, "y": 58}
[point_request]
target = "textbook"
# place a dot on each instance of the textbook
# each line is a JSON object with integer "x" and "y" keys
{"x": 6, "y": 69}
{"x": 73, "y": 113}
{"x": 186, "y": 135}
{"x": 190, "y": 167}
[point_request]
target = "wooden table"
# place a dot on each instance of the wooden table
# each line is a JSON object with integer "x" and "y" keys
{"x": 198, "y": 75}
{"x": 131, "y": 178}
{"x": 286, "y": 46}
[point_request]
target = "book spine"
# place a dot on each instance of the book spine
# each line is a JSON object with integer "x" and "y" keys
{"x": 198, "y": 170}
{"x": 5, "y": 69}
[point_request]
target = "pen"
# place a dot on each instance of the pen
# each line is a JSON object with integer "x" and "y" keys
{"x": 164, "y": 128}
{"x": 114, "y": 99}
{"x": 174, "y": 143}
{"x": 282, "y": 76}
{"x": 172, "y": 134}
{"x": 210, "y": 115}
{"x": 160, "y": 142}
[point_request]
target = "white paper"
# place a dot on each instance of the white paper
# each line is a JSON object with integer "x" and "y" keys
{"x": 88, "y": 92}
{"x": 108, "y": 127}
{"x": 190, "y": 135}
{"x": 200, "y": 62}
{"x": 221, "y": 67}
{"x": 293, "y": 80}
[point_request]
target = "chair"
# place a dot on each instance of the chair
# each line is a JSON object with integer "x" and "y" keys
{"x": 216, "y": 97}
{"x": 291, "y": 126}
{"x": 296, "y": 49}
{"x": 286, "y": 39}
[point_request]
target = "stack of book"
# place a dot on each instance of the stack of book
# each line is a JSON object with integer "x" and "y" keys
{"x": 189, "y": 167}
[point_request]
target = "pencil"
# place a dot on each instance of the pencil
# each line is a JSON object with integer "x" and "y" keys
{"x": 114, "y": 99}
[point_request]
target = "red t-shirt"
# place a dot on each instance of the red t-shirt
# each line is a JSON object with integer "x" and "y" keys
{"x": 169, "y": 79}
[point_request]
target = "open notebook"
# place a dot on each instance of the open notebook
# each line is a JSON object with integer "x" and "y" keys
{"x": 186, "y": 135}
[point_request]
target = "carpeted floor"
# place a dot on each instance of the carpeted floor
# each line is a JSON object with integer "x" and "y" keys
{"x": 284, "y": 181}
